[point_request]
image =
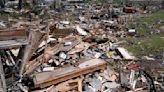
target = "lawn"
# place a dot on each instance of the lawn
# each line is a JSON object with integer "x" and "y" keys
{"x": 153, "y": 17}
{"x": 149, "y": 43}
{"x": 147, "y": 46}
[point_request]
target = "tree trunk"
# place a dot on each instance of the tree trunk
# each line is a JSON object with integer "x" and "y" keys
{"x": 20, "y": 4}
{"x": 162, "y": 4}
{"x": 2, "y": 3}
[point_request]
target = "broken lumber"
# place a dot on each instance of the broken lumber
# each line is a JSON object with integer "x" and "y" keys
{"x": 13, "y": 38}
{"x": 45, "y": 79}
{"x": 69, "y": 85}
{"x": 2, "y": 78}
{"x": 56, "y": 49}
{"x": 124, "y": 53}
{"x": 36, "y": 39}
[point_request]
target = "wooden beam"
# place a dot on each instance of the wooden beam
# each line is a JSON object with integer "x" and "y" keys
{"x": 56, "y": 49}
{"x": 13, "y": 38}
{"x": 45, "y": 79}
{"x": 13, "y": 34}
{"x": 2, "y": 78}
{"x": 36, "y": 38}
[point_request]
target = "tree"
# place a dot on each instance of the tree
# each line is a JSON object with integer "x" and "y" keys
{"x": 2, "y": 3}
{"x": 143, "y": 3}
{"x": 147, "y": 3}
{"x": 162, "y": 4}
{"x": 20, "y": 4}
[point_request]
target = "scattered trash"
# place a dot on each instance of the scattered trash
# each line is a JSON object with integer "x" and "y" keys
{"x": 80, "y": 30}
{"x": 76, "y": 47}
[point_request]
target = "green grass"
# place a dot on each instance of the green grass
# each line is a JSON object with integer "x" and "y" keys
{"x": 149, "y": 44}
{"x": 117, "y": 1}
{"x": 150, "y": 19}
{"x": 143, "y": 31}
{"x": 154, "y": 17}
{"x": 159, "y": 25}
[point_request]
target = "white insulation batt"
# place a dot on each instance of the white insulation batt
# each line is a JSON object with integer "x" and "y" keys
{"x": 125, "y": 53}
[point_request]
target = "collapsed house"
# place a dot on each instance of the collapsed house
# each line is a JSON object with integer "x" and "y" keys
{"x": 81, "y": 54}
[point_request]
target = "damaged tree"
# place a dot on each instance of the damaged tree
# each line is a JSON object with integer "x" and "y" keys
{"x": 2, "y": 3}
{"x": 162, "y": 4}
{"x": 20, "y": 4}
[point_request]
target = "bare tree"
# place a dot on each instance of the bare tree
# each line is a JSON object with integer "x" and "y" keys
{"x": 2, "y": 3}
{"x": 148, "y": 3}
{"x": 20, "y": 4}
{"x": 145, "y": 4}
{"x": 162, "y": 4}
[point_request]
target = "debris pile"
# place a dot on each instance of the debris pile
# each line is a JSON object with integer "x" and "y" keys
{"x": 82, "y": 54}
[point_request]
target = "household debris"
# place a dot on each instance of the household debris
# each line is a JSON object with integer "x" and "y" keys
{"x": 74, "y": 48}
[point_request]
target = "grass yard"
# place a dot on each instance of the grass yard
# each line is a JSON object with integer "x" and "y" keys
{"x": 153, "y": 17}
{"x": 149, "y": 44}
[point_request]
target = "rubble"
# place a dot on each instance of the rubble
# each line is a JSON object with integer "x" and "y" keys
{"x": 80, "y": 51}
{"x": 125, "y": 54}
{"x": 62, "y": 74}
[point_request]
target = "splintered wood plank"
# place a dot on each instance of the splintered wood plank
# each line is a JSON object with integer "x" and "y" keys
{"x": 56, "y": 49}
{"x": 2, "y": 78}
{"x": 56, "y": 73}
{"x": 61, "y": 47}
{"x": 45, "y": 79}
{"x": 68, "y": 85}
{"x": 13, "y": 43}
{"x": 13, "y": 34}
{"x": 13, "y": 38}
